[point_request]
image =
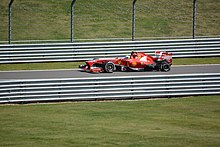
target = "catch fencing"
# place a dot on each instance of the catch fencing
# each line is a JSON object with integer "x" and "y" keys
{"x": 125, "y": 87}
{"x": 60, "y": 52}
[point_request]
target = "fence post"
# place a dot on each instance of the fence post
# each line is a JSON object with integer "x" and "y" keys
{"x": 9, "y": 20}
{"x": 133, "y": 20}
{"x": 72, "y": 20}
{"x": 194, "y": 19}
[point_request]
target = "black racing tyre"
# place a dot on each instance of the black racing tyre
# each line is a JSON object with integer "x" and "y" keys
{"x": 109, "y": 67}
{"x": 165, "y": 66}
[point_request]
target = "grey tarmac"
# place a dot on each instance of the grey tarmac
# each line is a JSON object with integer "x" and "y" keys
{"x": 77, "y": 73}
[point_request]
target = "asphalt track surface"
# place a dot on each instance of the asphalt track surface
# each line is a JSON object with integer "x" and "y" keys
{"x": 76, "y": 73}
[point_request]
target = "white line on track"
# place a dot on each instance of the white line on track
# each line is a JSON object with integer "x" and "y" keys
{"x": 79, "y": 69}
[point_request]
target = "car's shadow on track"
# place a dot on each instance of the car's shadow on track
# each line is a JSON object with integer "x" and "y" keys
{"x": 150, "y": 71}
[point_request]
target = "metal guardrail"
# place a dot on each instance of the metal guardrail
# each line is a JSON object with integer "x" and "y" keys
{"x": 109, "y": 87}
{"x": 104, "y": 39}
{"x": 54, "y": 52}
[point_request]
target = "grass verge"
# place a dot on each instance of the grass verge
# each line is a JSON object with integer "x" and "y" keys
{"x": 50, "y": 19}
{"x": 191, "y": 121}
{"x": 40, "y": 66}
{"x": 73, "y": 65}
{"x": 191, "y": 61}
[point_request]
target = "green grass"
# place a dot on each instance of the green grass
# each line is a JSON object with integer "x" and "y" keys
{"x": 191, "y": 122}
{"x": 191, "y": 61}
{"x": 74, "y": 65}
{"x": 40, "y": 66}
{"x": 50, "y": 19}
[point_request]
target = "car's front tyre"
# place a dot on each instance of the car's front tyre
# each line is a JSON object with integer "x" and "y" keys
{"x": 109, "y": 67}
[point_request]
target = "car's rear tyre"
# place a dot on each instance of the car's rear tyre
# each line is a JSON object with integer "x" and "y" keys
{"x": 165, "y": 66}
{"x": 109, "y": 67}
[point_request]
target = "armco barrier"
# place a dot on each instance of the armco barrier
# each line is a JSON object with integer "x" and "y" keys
{"x": 54, "y": 52}
{"x": 108, "y": 87}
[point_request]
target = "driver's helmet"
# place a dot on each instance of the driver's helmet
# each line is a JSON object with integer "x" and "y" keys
{"x": 133, "y": 54}
{"x": 127, "y": 57}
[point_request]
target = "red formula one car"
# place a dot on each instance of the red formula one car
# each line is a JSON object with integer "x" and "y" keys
{"x": 137, "y": 61}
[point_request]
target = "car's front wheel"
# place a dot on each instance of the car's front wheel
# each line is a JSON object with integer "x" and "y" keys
{"x": 109, "y": 67}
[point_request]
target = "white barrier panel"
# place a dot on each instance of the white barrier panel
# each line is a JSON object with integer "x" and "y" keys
{"x": 109, "y": 87}
{"x": 60, "y": 52}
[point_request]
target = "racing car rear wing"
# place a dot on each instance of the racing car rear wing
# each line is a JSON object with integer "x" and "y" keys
{"x": 163, "y": 55}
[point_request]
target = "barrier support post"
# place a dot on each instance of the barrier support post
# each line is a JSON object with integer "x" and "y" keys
{"x": 194, "y": 19}
{"x": 72, "y": 20}
{"x": 9, "y": 21}
{"x": 133, "y": 20}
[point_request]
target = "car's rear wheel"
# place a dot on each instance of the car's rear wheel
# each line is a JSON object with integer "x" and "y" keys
{"x": 165, "y": 66}
{"x": 109, "y": 67}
